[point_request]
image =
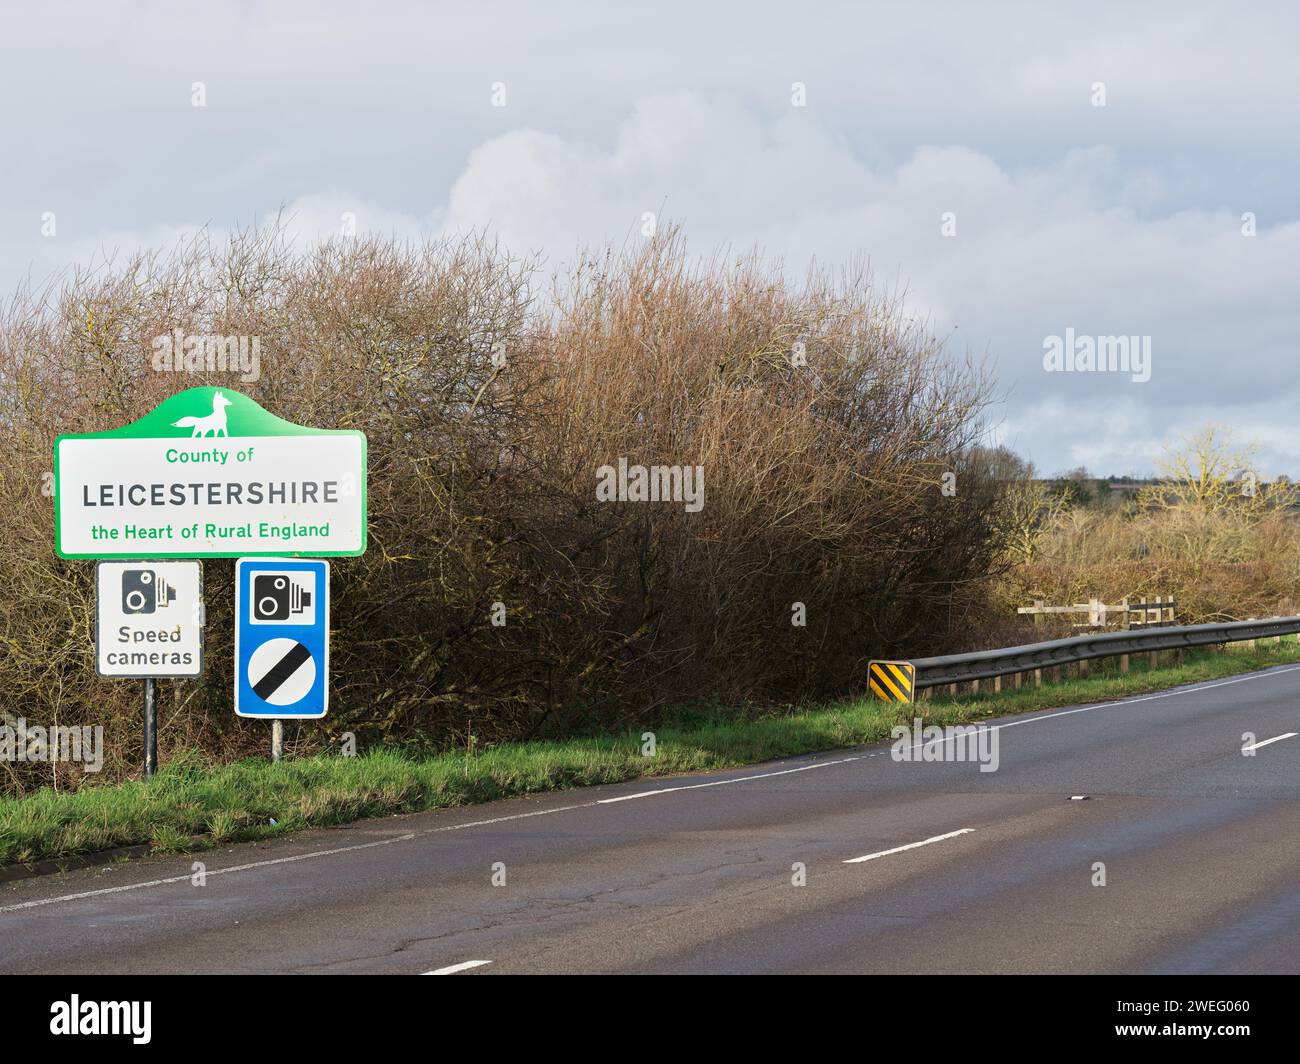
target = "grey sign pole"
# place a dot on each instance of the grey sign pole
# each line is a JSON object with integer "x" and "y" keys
{"x": 150, "y": 726}
{"x": 277, "y": 740}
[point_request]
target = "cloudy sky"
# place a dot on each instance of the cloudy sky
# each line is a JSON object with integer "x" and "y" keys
{"x": 1109, "y": 170}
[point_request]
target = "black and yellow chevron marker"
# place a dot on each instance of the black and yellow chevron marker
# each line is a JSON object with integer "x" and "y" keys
{"x": 894, "y": 681}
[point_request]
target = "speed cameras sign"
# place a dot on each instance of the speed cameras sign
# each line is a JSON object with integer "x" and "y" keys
{"x": 149, "y": 619}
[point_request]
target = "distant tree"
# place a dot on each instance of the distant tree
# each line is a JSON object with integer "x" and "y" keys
{"x": 1029, "y": 508}
{"x": 1210, "y": 472}
{"x": 1074, "y": 487}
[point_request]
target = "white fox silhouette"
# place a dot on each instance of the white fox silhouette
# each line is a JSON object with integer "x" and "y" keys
{"x": 214, "y": 423}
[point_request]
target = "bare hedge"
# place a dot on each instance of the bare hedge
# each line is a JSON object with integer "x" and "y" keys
{"x": 824, "y": 418}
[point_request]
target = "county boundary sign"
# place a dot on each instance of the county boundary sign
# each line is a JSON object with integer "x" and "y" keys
{"x": 210, "y": 474}
{"x": 282, "y": 608}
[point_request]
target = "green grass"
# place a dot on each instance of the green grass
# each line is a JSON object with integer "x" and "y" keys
{"x": 187, "y": 806}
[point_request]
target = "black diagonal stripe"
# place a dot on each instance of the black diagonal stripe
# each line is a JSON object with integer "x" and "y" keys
{"x": 284, "y": 668}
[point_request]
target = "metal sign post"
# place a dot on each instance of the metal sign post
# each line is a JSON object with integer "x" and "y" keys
{"x": 150, "y": 726}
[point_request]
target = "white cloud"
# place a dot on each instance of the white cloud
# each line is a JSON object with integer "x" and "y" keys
{"x": 326, "y": 216}
{"x": 1038, "y": 250}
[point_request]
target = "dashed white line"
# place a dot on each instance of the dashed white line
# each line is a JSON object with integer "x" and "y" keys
{"x": 910, "y": 846}
{"x": 452, "y": 969}
{"x": 1275, "y": 739}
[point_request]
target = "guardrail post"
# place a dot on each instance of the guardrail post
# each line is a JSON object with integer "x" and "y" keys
{"x": 1123, "y": 663}
{"x": 1153, "y": 659}
{"x": 1083, "y": 669}
{"x": 1038, "y": 677}
{"x": 997, "y": 684}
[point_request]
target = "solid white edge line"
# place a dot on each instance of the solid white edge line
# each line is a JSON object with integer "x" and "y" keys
{"x": 720, "y": 783}
{"x": 452, "y": 969}
{"x": 1275, "y": 739}
{"x": 909, "y": 846}
{"x": 210, "y": 872}
{"x": 287, "y": 860}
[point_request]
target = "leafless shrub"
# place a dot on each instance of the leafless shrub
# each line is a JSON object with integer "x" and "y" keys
{"x": 824, "y": 418}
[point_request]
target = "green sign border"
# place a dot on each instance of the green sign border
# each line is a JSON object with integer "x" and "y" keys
{"x": 254, "y": 421}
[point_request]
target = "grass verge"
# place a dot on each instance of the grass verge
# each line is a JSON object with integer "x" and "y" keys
{"x": 188, "y": 806}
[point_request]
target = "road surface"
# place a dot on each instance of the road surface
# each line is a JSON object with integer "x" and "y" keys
{"x": 967, "y": 871}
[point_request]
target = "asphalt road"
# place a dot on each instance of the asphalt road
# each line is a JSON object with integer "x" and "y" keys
{"x": 1201, "y": 848}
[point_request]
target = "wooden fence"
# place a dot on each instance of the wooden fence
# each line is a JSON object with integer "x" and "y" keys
{"x": 1136, "y": 612}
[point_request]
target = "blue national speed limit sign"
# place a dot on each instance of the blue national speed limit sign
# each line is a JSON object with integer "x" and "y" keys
{"x": 282, "y": 610}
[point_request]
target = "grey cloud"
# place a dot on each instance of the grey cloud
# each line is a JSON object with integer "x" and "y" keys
{"x": 1115, "y": 220}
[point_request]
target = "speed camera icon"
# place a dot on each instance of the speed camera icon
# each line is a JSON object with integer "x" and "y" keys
{"x": 144, "y": 591}
{"x": 282, "y": 598}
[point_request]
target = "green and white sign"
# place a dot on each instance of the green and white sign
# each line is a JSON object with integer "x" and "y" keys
{"x": 210, "y": 474}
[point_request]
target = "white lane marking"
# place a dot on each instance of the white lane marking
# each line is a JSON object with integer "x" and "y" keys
{"x": 719, "y": 783}
{"x": 1275, "y": 739}
{"x": 909, "y": 846}
{"x": 452, "y": 969}
{"x": 606, "y": 801}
